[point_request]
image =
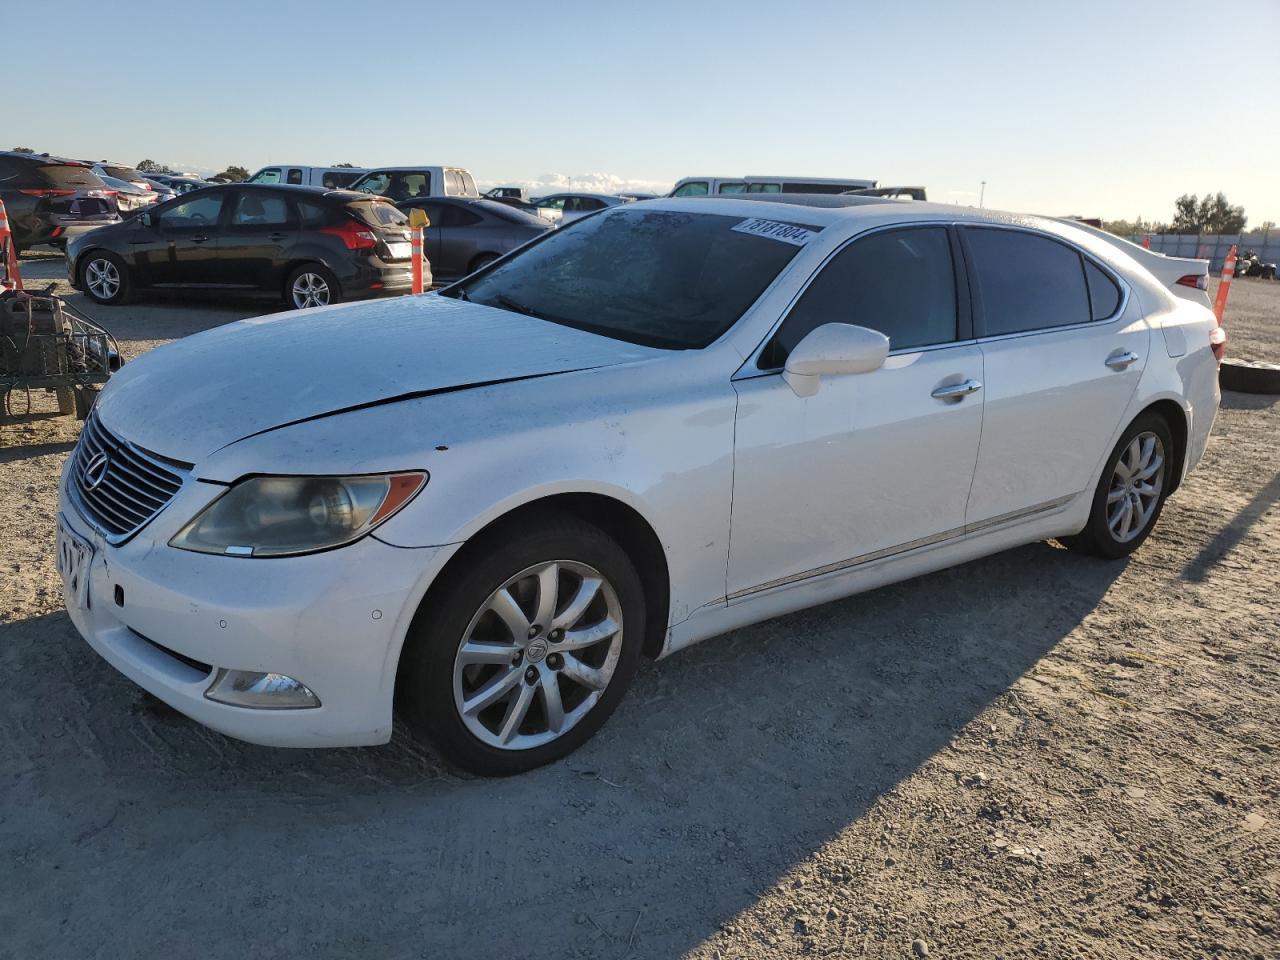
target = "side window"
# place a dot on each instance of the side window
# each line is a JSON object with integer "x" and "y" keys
{"x": 590, "y": 203}
{"x": 7, "y": 168}
{"x": 313, "y": 214}
{"x": 764, "y": 188}
{"x": 694, "y": 188}
{"x": 551, "y": 203}
{"x": 1104, "y": 295}
{"x": 1026, "y": 281}
{"x": 900, "y": 282}
{"x": 269, "y": 175}
{"x": 453, "y": 216}
{"x": 195, "y": 214}
{"x": 254, "y": 208}
{"x": 734, "y": 187}
{"x": 435, "y": 212}
{"x": 295, "y": 175}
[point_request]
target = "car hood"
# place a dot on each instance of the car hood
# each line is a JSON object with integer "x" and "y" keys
{"x": 192, "y": 397}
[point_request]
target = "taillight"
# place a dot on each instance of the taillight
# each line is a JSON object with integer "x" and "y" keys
{"x": 1218, "y": 342}
{"x": 47, "y": 192}
{"x": 354, "y": 234}
{"x": 1197, "y": 280}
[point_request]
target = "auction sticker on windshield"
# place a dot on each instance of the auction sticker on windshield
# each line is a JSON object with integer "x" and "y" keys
{"x": 792, "y": 233}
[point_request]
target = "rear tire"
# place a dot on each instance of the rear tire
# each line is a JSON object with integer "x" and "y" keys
{"x": 104, "y": 277}
{"x": 312, "y": 285}
{"x": 1131, "y": 492}
{"x": 493, "y": 687}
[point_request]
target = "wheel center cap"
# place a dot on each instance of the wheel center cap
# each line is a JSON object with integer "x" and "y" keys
{"x": 536, "y": 652}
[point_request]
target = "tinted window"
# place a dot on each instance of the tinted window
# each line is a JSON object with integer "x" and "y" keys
{"x": 695, "y": 188}
{"x": 1026, "y": 281}
{"x": 295, "y": 175}
{"x": 901, "y": 283}
{"x": 195, "y": 213}
{"x": 799, "y": 187}
{"x": 397, "y": 184}
{"x": 121, "y": 173}
{"x": 550, "y": 203}
{"x": 459, "y": 217}
{"x": 314, "y": 214}
{"x": 1104, "y": 295}
{"x": 764, "y": 188}
{"x": 69, "y": 175}
{"x": 255, "y": 209}
{"x": 337, "y": 179}
{"x": 656, "y": 277}
{"x": 379, "y": 213}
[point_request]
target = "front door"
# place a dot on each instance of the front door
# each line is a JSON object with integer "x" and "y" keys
{"x": 873, "y": 463}
{"x": 187, "y": 252}
{"x": 1063, "y": 357}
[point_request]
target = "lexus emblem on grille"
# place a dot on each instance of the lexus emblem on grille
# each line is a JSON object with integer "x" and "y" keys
{"x": 95, "y": 471}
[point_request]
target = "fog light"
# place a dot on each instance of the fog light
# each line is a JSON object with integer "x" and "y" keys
{"x": 266, "y": 691}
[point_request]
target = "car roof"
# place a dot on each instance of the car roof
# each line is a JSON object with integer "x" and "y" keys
{"x": 43, "y": 158}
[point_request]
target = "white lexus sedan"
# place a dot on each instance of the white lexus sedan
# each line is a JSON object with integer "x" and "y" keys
{"x": 483, "y": 507}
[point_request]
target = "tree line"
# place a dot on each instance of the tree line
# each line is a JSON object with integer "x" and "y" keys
{"x": 1212, "y": 213}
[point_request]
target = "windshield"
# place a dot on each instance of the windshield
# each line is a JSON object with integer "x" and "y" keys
{"x": 659, "y": 278}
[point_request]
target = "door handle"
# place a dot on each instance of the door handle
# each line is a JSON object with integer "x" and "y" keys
{"x": 957, "y": 391}
{"x": 200, "y": 239}
{"x": 1120, "y": 361}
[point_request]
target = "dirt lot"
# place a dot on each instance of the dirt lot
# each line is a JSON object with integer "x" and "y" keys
{"x": 1034, "y": 755}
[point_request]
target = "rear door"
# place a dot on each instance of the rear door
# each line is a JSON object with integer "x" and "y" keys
{"x": 432, "y": 236}
{"x": 461, "y": 235}
{"x": 255, "y": 244}
{"x": 1063, "y": 349}
{"x": 187, "y": 248}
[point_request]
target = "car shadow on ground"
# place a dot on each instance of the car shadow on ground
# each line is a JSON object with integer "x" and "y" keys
{"x": 1226, "y": 539}
{"x": 726, "y": 766}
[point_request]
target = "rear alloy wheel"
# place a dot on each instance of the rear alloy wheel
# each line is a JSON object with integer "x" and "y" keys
{"x": 523, "y": 654}
{"x": 1131, "y": 493}
{"x": 311, "y": 285}
{"x": 104, "y": 277}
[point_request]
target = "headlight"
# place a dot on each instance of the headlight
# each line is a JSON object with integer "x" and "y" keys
{"x": 280, "y": 516}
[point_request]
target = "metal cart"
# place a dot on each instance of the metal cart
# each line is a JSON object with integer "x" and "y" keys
{"x": 47, "y": 344}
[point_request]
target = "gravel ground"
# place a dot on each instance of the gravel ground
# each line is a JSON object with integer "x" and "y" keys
{"x": 1032, "y": 755}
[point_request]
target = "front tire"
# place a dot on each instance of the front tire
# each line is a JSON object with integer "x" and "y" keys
{"x": 312, "y": 285}
{"x": 104, "y": 278}
{"x": 1131, "y": 494}
{"x": 520, "y": 654}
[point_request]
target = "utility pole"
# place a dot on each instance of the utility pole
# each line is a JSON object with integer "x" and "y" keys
{"x": 982, "y": 194}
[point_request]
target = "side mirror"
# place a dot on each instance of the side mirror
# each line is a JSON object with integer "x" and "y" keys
{"x": 830, "y": 349}
{"x": 146, "y": 219}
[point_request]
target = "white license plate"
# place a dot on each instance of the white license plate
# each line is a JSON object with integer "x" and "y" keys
{"x": 399, "y": 251}
{"x": 75, "y": 554}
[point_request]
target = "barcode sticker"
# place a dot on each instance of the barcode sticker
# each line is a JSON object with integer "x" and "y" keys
{"x": 776, "y": 230}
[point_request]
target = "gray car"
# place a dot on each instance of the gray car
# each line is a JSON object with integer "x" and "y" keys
{"x": 466, "y": 233}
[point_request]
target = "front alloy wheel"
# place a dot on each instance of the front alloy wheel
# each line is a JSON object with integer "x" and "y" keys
{"x": 538, "y": 655}
{"x": 104, "y": 278}
{"x": 524, "y": 646}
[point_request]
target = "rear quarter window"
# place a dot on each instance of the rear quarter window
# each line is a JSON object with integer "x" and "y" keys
{"x": 1026, "y": 281}
{"x": 1104, "y": 295}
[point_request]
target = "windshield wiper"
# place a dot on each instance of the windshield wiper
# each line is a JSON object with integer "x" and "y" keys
{"x": 506, "y": 303}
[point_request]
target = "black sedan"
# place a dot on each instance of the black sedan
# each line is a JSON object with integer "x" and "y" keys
{"x": 307, "y": 245}
{"x": 49, "y": 199}
{"x": 466, "y": 233}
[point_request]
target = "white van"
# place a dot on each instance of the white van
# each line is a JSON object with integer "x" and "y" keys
{"x": 717, "y": 186}
{"x": 335, "y": 178}
{"x": 413, "y": 182}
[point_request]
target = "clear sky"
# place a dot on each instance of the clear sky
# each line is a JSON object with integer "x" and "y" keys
{"x": 1090, "y": 108}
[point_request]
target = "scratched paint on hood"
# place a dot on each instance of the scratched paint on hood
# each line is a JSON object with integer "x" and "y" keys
{"x": 194, "y": 396}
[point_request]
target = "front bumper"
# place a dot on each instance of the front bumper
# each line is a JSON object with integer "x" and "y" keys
{"x": 334, "y": 621}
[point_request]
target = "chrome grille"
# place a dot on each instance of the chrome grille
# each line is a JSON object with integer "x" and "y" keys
{"x": 123, "y": 492}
